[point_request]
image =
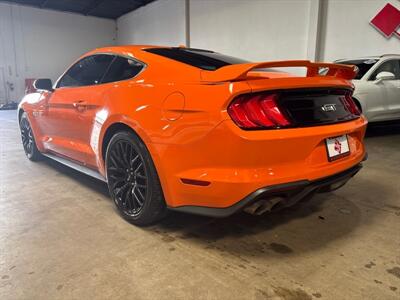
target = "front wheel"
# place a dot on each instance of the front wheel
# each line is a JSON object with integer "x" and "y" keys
{"x": 28, "y": 139}
{"x": 133, "y": 181}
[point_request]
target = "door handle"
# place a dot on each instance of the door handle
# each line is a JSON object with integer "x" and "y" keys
{"x": 80, "y": 105}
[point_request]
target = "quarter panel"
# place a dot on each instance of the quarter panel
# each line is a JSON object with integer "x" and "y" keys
{"x": 140, "y": 105}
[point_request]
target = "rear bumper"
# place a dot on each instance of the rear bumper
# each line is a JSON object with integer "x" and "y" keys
{"x": 292, "y": 192}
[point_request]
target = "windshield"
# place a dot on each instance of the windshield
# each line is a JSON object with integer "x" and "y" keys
{"x": 203, "y": 59}
{"x": 363, "y": 65}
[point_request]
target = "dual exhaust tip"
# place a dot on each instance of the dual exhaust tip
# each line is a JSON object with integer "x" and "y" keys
{"x": 274, "y": 202}
{"x": 263, "y": 206}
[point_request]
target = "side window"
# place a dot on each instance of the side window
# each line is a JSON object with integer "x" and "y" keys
{"x": 87, "y": 71}
{"x": 122, "y": 68}
{"x": 392, "y": 66}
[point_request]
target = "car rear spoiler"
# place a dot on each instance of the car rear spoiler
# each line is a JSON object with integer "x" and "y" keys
{"x": 239, "y": 71}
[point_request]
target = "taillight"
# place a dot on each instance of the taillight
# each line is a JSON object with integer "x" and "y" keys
{"x": 257, "y": 111}
{"x": 349, "y": 103}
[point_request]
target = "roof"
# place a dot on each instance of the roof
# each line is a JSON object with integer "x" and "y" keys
{"x": 377, "y": 57}
{"x": 120, "y": 49}
{"x": 109, "y": 9}
{"x": 385, "y": 55}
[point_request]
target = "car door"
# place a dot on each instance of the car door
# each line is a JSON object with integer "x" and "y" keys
{"x": 394, "y": 92}
{"x": 389, "y": 90}
{"x": 65, "y": 119}
{"x": 120, "y": 70}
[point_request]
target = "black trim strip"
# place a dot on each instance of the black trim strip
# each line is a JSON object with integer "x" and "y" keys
{"x": 76, "y": 166}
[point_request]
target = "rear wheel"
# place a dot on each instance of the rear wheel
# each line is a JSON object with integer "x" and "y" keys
{"x": 133, "y": 181}
{"x": 28, "y": 139}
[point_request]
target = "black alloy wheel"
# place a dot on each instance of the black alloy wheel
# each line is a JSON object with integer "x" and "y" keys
{"x": 127, "y": 177}
{"x": 28, "y": 139}
{"x": 132, "y": 180}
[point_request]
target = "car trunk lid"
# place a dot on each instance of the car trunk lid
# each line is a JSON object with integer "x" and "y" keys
{"x": 310, "y": 100}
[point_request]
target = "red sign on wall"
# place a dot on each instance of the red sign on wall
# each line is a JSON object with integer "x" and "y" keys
{"x": 387, "y": 21}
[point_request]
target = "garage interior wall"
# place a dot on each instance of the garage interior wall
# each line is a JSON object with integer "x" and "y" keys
{"x": 160, "y": 22}
{"x": 42, "y": 43}
{"x": 38, "y": 43}
{"x": 262, "y": 29}
{"x": 254, "y": 30}
{"x": 344, "y": 18}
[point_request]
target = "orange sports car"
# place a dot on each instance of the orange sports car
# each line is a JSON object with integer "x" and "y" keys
{"x": 197, "y": 131}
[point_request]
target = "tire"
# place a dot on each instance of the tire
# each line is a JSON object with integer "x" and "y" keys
{"x": 28, "y": 139}
{"x": 133, "y": 182}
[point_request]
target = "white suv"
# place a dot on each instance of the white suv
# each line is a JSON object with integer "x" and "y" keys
{"x": 377, "y": 86}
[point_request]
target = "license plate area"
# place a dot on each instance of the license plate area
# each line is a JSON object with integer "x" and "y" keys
{"x": 337, "y": 147}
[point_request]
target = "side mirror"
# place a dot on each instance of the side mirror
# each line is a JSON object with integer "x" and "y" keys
{"x": 43, "y": 84}
{"x": 384, "y": 76}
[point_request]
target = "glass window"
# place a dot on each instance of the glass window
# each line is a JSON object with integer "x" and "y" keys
{"x": 203, "y": 59}
{"x": 121, "y": 69}
{"x": 392, "y": 66}
{"x": 363, "y": 65}
{"x": 87, "y": 71}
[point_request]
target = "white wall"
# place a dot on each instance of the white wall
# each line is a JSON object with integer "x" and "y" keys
{"x": 43, "y": 43}
{"x": 160, "y": 22}
{"x": 263, "y": 29}
{"x": 347, "y": 32}
{"x": 255, "y": 30}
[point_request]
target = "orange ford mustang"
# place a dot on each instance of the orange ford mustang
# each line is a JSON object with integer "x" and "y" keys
{"x": 197, "y": 131}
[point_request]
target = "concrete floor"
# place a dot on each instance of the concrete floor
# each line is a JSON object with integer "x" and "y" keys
{"x": 60, "y": 238}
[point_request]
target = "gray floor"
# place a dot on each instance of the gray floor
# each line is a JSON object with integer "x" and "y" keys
{"x": 60, "y": 238}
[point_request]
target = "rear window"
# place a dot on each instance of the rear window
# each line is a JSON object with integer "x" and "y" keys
{"x": 202, "y": 59}
{"x": 363, "y": 65}
{"x": 122, "y": 68}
